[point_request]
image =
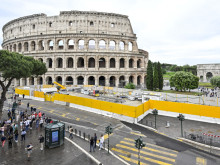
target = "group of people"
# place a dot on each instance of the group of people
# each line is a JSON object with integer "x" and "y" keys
{"x": 209, "y": 92}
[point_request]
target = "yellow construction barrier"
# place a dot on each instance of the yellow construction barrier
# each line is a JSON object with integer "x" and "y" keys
{"x": 38, "y": 94}
{"x": 22, "y": 91}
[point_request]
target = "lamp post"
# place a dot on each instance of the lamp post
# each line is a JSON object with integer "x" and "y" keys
{"x": 108, "y": 130}
{"x": 155, "y": 113}
{"x": 139, "y": 145}
{"x": 181, "y": 117}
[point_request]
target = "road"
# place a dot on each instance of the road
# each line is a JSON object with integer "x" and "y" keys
{"x": 159, "y": 149}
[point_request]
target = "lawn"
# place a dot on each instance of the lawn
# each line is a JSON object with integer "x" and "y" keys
{"x": 205, "y": 84}
{"x": 168, "y": 75}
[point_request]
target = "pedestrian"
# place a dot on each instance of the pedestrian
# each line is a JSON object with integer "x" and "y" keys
{"x": 41, "y": 139}
{"x": 10, "y": 139}
{"x": 71, "y": 132}
{"x": 40, "y": 114}
{"x": 3, "y": 139}
{"x": 28, "y": 104}
{"x": 95, "y": 140}
{"x": 29, "y": 150}
{"x": 41, "y": 122}
{"x": 23, "y": 96}
{"x": 91, "y": 145}
{"x": 23, "y": 133}
{"x": 101, "y": 141}
{"x": 16, "y": 135}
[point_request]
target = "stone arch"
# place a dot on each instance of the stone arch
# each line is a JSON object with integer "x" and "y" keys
{"x": 139, "y": 63}
{"x": 59, "y": 79}
{"x": 91, "y": 80}
{"x": 41, "y": 45}
{"x": 112, "y": 45}
{"x": 69, "y": 62}
{"x": 201, "y": 78}
{"x": 31, "y": 80}
{"x": 19, "y": 47}
{"x": 80, "y": 62}
{"x": 131, "y": 79}
{"x": 112, "y": 63}
{"x": 121, "y": 45}
{"x": 80, "y": 80}
{"x": 91, "y": 23}
{"x": 40, "y": 80}
{"x": 81, "y": 44}
{"x": 102, "y": 44}
{"x": 50, "y": 45}
{"x": 70, "y": 44}
{"x": 60, "y": 44}
{"x": 122, "y": 63}
{"x": 49, "y": 63}
{"x": 10, "y": 48}
{"x": 130, "y": 46}
{"x": 40, "y": 59}
{"x": 209, "y": 75}
{"x": 102, "y": 63}
{"x": 102, "y": 81}
{"x": 59, "y": 62}
{"x": 33, "y": 46}
{"x": 121, "y": 81}
{"x": 112, "y": 81}
{"x": 70, "y": 23}
{"x": 91, "y": 44}
{"x": 49, "y": 80}
{"x": 131, "y": 63}
{"x": 14, "y": 48}
{"x": 69, "y": 80}
{"x": 24, "y": 81}
{"x": 91, "y": 63}
{"x": 26, "y": 46}
{"x": 139, "y": 78}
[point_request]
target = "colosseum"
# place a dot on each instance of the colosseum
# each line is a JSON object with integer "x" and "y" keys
{"x": 79, "y": 48}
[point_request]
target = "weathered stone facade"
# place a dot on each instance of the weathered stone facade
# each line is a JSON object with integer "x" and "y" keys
{"x": 206, "y": 71}
{"x": 90, "y": 48}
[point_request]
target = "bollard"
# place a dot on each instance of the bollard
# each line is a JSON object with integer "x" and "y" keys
{"x": 151, "y": 124}
{"x": 84, "y": 135}
{"x": 80, "y": 133}
{"x": 89, "y": 137}
{"x": 75, "y": 131}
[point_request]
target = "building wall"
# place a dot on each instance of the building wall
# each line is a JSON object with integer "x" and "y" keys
{"x": 57, "y": 41}
{"x": 206, "y": 71}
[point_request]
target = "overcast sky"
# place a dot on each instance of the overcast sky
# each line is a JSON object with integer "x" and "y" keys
{"x": 172, "y": 31}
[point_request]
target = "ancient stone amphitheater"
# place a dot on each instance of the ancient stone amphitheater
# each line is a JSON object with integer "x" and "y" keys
{"x": 79, "y": 48}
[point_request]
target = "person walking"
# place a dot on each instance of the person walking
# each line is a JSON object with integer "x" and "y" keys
{"x": 41, "y": 122}
{"x": 28, "y": 104}
{"x": 41, "y": 140}
{"x": 29, "y": 150}
{"x": 95, "y": 140}
{"x": 92, "y": 144}
{"x": 3, "y": 139}
{"x": 23, "y": 133}
{"x": 101, "y": 141}
{"x": 10, "y": 139}
{"x": 16, "y": 135}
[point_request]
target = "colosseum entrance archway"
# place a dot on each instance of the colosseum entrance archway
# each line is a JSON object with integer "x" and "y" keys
{"x": 31, "y": 81}
{"x": 40, "y": 81}
{"x": 91, "y": 80}
{"x": 49, "y": 80}
{"x": 69, "y": 80}
{"x": 139, "y": 80}
{"x": 201, "y": 78}
{"x": 59, "y": 80}
{"x": 80, "y": 80}
{"x": 209, "y": 75}
{"x": 121, "y": 81}
{"x": 131, "y": 79}
{"x": 112, "y": 81}
{"x": 102, "y": 81}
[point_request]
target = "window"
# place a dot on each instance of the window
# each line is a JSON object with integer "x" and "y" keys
{"x": 91, "y": 23}
{"x": 112, "y": 25}
{"x": 80, "y": 32}
{"x": 50, "y": 24}
{"x": 20, "y": 29}
{"x": 11, "y": 31}
{"x": 33, "y": 26}
{"x": 70, "y": 23}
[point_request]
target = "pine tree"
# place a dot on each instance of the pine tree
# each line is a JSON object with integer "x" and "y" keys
{"x": 160, "y": 76}
{"x": 155, "y": 78}
{"x": 149, "y": 79}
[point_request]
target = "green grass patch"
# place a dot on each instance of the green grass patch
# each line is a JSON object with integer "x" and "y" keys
{"x": 168, "y": 75}
{"x": 205, "y": 84}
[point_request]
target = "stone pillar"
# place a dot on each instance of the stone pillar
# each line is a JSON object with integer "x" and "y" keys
{"x": 135, "y": 79}
{"x": 85, "y": 80}
{"x": 117, "y": 45}
{"x": 96, "y": 80}
{"x": 117, "y": 81}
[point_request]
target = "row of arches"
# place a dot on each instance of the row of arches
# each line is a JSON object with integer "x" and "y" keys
{"x": 80, "y": 44}
{"x": 208, "y": 77}
{"x": 92, "y": 63}
{"x": 112, "y": 81}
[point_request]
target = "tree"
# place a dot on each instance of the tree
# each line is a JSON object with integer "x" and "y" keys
{"x": 16, "y": 66}
{"x": 215, "y": 81}
{"x": 130, "y": 86}
{"x": 160, "y": 76}
{"x": 183, "y": 81}
{"x": 155, "y": 78}
{"x": 149, "y": 79}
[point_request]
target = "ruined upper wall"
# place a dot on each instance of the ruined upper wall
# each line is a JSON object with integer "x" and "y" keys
{"x": 69, "y": 22}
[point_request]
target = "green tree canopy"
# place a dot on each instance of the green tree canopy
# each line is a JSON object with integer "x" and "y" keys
{"x": 15, "y": 66}
{"x": 215, "y": 81}
{"x": 155, "y": 78}
{"x": 183, "y": 81}
{"x": 160, "y": 76}
{"x": 149, "y": 78}
{"x": 130, "y": 86}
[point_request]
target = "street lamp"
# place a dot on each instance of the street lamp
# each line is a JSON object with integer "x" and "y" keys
{"x": 139, "y": 145}
{"x": 108, "y": 130}
{"x": 181, "y": 117}
{"x": 155, "y": 113}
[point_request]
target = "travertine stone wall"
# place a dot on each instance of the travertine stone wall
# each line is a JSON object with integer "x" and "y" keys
{"x": 206, "y": 71}
{"x": 79, "y": 47}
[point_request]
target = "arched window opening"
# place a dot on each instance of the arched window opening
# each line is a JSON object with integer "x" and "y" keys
{"x": 139, "y": 63}
{"x": 131, "y": 79}
{"x": 91, "y": 44}
{"x": 80, "y": 63}
{"x": 31, "y": 81}
{"x": 59, "y": 63}
{"x": 33, "y": 26}
{"x": 70, "y": 23}
{"x": 102, "y": 44}
{"x": 60, "y": 44}
{"x": 80, "y": 80}
{"x": 70, "y": 62}
{"x": 70, "y": 44}
{"x": 209, "y": 75}
{"x": 102, "y": 81}
{"x": 50, "y": 43}
{"x": 122, "y": 63}
{"x": 10, "y": 48}
{"x": 131, "y": 63}
{"x": 91, "y": 63}
{"x": 33, "y": 46}
{"x": 40, "y": 59}
{"x": 121, "y": 81}
{"x": 112, "y": 45}
{"x": 41, "y": 45}
{"x": 50, "y": 24}
{"x": 40, "y": 81}
{"x": 91, "y": 23}
{"x": 69, "y": 80}
{"x": 59, "y": 80}
{"x": 139, "y": 80}
{"x": 14, "y": 47}
{"x": 112, "y": 81}
{"x": 81, "y": 44}
{"x": 130, "y": 46}
{"x": 91, "y": 80}
{"x": 26, "y": 46}
{"x": 101, "y": 63}
{"x": 19, "y": 47}
{"x": 49, "y": 80}
{"x": 112, "y": 25}
{"x": 121, "y": 45}
{"x": 24, "y": 81}
{"x": 201, "y": 78}
{"x": 20, "y": 29}
{"x": 112, "y": 63}
{"x": 49, "y": 63}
